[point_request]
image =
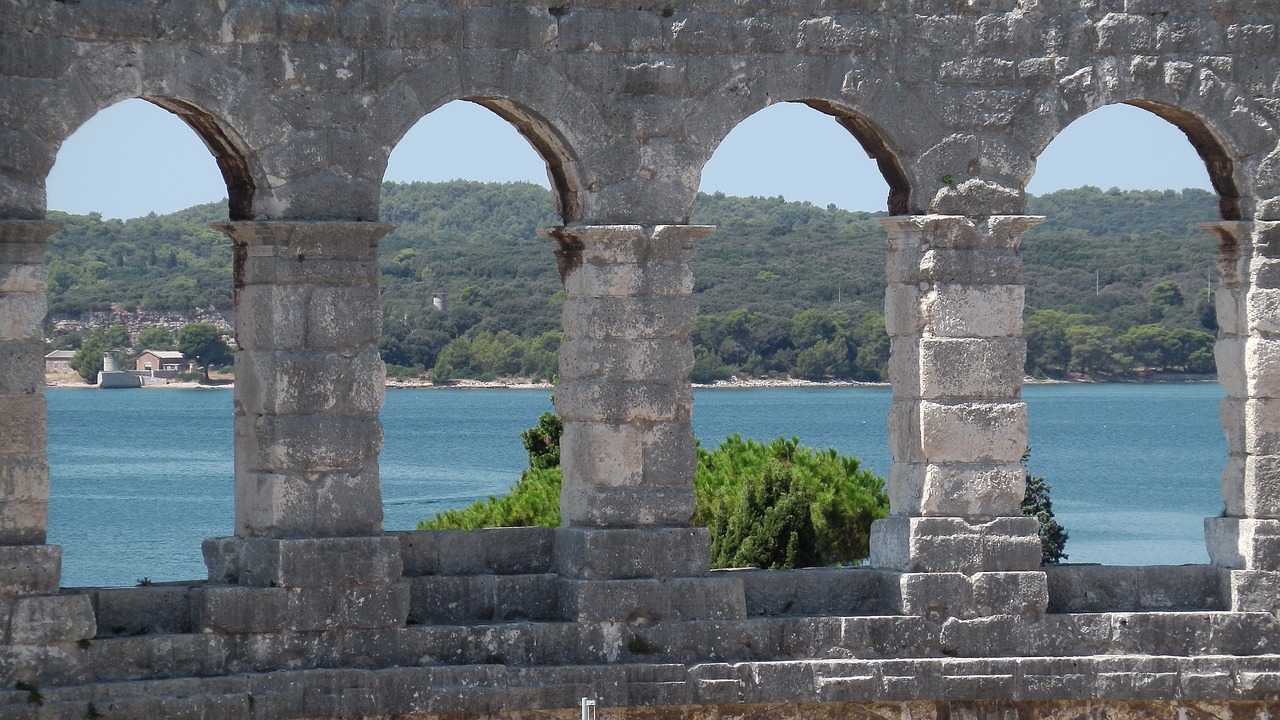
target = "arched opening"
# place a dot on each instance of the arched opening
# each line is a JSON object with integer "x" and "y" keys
{"x": 470, "y": 302}
{"x": 1119, "y": 287}
{"x": 791, "y": 285}
{"x": 139, "y": 478}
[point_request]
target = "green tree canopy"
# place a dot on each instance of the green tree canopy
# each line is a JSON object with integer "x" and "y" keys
{"x": 203, "y": 343}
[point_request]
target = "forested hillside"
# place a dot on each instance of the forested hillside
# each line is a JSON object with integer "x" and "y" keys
{"x": 1116, "y": 281}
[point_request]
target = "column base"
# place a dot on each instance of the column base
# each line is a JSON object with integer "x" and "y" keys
{"x": 306, "y": 584}
{"x": 1243, "y": 543}
{"x": 952, "y": 544}
{"x": 939, "y": 596}
{"x": 1252, "y": 590}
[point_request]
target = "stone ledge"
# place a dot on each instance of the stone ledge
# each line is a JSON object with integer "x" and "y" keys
{"x": 1102, "y": 588}
{"x": 498, "y": 551}
{"x": 628, "y": 553}
{"x": 1124, "y": 686}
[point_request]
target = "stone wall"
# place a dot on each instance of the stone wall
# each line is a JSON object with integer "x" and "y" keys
{"x": 310, "y": 610}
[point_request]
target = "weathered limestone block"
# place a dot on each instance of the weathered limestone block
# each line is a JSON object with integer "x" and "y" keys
{"x": 624, "y": 554}
{"x": 311, "y": 504}
{"x": 623, "y": 360}
{"x": 29, "y": 570}
{"x": 454, "y": 600}
{"x": 643, "y": 601}
{"x": 1253, "y": 590}
{"x": 631, "y": 455}
{"x": 24, "y": 471}
{"x": 1100, "y": 588}
{"x": 1243, "y": 543}
{"x": 501, "y": 551}
{"x": 955, "y": 545}
{"x": 319, "y": 562}
{"x": 969, "y": 490}
{"x": 971, "y": 367}
{"x": 41, "y": 620}
{"x": 957, "y": 432}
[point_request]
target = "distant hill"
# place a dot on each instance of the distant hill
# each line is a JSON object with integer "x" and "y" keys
{"x": 1099, "y": 253}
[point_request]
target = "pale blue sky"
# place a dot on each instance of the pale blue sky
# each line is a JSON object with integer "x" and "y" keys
{"x": 134, "y": 158}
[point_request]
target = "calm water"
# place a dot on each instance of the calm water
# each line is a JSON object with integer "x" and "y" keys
{"x": 139, "y": 478}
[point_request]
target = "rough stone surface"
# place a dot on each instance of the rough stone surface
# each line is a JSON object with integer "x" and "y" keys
{"x": 305, "y": 609}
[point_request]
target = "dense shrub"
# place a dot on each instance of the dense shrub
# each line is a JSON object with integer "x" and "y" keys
{"x": 779, "y": 505}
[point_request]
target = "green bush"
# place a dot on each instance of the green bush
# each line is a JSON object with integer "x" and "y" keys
{"x": 779, "y": 505}
{"x": 734, "y": 481}
{"x": 1036, "y": 503}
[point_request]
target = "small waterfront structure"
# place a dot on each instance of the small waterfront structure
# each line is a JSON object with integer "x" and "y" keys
{"x": 161, "y": 363}
{"x": 59, "y": 361}
{"x": 112, "y": 376}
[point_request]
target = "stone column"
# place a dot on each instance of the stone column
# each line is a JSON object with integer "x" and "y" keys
{"x": 309, "y": 386}
{"x": 32, "y": 612}
{"x": 628, "y": 451}
{"x": 957, "y": 424}
{"x": 1245, "y": 540}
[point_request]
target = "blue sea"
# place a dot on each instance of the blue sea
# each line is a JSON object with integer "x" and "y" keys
{"x": 140, "y": 477}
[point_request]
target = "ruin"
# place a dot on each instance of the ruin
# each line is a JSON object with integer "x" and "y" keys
{"x": 310, "y": 610}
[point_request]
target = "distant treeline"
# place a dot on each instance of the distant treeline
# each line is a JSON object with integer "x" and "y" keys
{"x": 1117, "y": 282}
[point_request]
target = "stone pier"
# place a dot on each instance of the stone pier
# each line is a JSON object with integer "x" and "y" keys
{"x": 625, "y": 548}
{"x": 957, "y": 425}
{"x": 1246, "y": 538}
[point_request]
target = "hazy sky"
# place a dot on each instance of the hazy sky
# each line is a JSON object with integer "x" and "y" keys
{"x": 134, "y": 158}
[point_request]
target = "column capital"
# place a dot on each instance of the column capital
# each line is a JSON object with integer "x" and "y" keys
{"x": 959, "y": 232}
{"x": 302, "y": 239}
{"x": 22, "y": 241}
{"x": 622, "y": 244}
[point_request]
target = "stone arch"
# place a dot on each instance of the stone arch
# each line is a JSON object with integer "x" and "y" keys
{"x": 725, "y": 111}
{"x": 1224, "y": 124}
{"x": 558, "y": 139}
{"x": 221, "y": 105}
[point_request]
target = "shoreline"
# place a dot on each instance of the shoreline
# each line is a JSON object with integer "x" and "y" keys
{"x": 734, "y": 384}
